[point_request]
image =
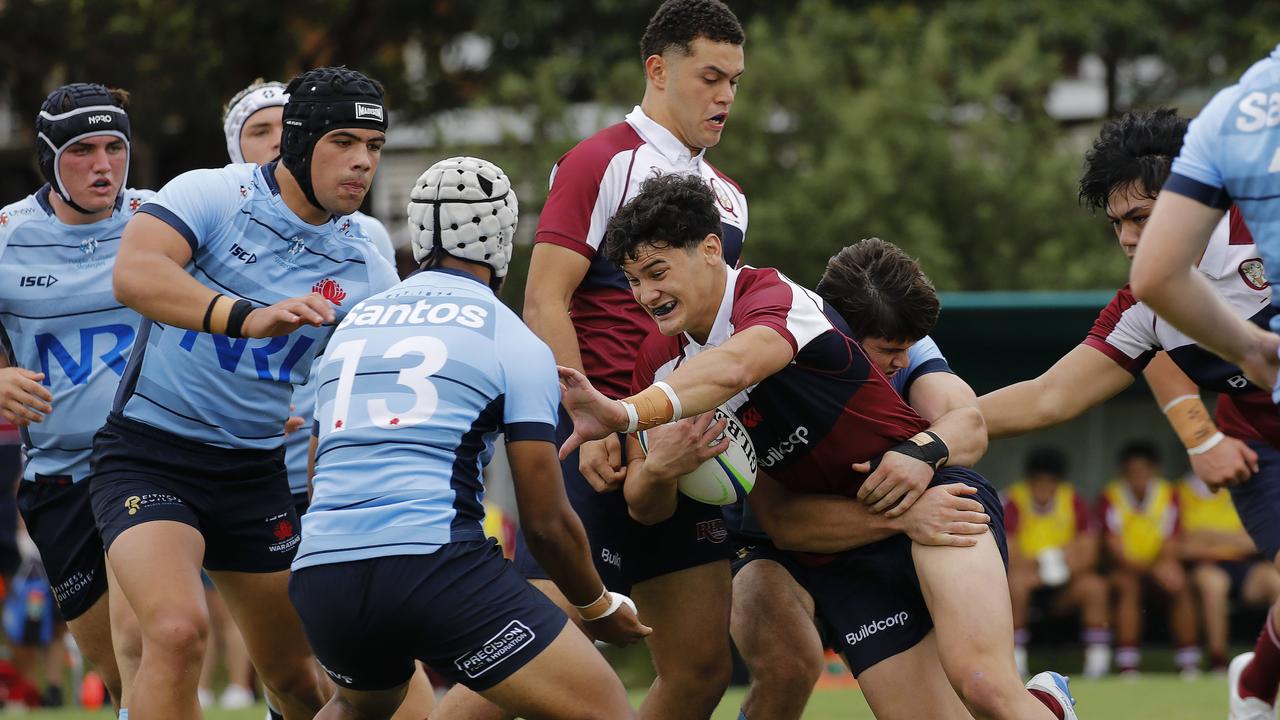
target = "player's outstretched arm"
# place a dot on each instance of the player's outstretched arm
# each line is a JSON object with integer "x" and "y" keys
{"x": 555, "y": 536}
{"x": 1219, "y": 460}
{"x": 702, "y": 383}
{"x": 1164, "y": 277}
{"x": 950, "y": 406}
{"x": 150, "y": 276}
{"x": 1082, "y": 379}
{"x": 675, "y": 449}
{"x": 944, "y": 515}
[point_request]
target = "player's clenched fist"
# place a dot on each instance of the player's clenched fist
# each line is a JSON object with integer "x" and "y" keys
{"x": 618, "y": 623}
{"x": 23, "y": 400}
{"x": 288, "y": 315}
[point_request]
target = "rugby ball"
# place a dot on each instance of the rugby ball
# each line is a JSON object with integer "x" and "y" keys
{"x": 727, "y": 477}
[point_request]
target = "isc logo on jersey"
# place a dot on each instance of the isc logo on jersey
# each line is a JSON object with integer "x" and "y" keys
{"x": 727, "y": 477}
{"x": 422, "y": 312}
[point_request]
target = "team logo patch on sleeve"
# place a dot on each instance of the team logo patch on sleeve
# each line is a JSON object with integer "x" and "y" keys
{"x": 506, "y": 643}
{"x": 1254, "y": 274}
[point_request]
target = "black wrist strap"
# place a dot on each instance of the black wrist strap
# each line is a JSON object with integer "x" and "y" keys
{"x": 926, "y": 447}
{"x": 208, "y": 312}
{"x": 235, "y": 320}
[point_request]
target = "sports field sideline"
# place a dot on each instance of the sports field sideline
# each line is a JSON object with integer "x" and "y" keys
{"x": 1154, "y": 696}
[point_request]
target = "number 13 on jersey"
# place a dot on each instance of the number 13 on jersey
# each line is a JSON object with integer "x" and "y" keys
{"x": 415, "y": 377}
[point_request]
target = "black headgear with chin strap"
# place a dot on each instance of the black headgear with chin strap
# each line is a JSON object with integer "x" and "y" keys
{"x": 322, "y": 100}
{"x": 70, "y": 114}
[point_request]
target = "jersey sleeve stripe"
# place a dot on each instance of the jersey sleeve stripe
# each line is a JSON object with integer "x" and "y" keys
{"x": 1214, "y": 197}
{"x": 928, "y": 367}
{"x": 169, "y": 218}
{"x": 555, "y": 237}
{"x": 519, "y": 431}
{"x": 1133, "y": 365}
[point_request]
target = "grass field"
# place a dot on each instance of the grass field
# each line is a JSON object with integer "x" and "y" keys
{"x": 1154, "y": 696}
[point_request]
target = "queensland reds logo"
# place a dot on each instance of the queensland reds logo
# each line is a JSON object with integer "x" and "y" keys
{"x": 284, "y": 530}
{"x": 134, "y": 204}
{"x": 752, "y": 417}
{"x": 723, "y": 198}
{"x": 330, "y": 290}
{"x": 1254, "y": 274}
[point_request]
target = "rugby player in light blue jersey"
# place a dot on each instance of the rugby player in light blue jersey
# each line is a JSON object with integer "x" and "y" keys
{"x": 394, "y": 565}
{"x": 253, "y": 122}
{"x": 239, "y": 273}
{"x": 66, "y": 339}
{"x": 1231, "y": 155}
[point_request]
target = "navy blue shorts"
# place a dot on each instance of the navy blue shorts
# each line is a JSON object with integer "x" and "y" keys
{"x": 239, "y": 500}
{"x": 868, "y": 600}
{"x": 59, "y": 519}
{"x": 462, "y": 610}
{"x": 627, "y": 552}
{"x": 1257, "y": 501}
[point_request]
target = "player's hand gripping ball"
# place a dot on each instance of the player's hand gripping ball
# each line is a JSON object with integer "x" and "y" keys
{"x": 727, "y": 477}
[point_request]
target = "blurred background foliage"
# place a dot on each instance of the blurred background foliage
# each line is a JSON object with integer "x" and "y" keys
{"x": 924, "y": 123}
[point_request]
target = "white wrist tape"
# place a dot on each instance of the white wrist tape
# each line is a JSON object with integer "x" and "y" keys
{"x": 616, "y": 600}
{"x": 1207, "y": 445}
{"x": 677, "y": 412}
{"x": 1169, "y": 405}
{"x": 633, "y": 417}
{"x": 603, "y": 590}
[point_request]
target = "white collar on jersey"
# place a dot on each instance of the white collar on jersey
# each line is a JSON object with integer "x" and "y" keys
{"x": 1217, "y": 250}
{"x": 722, "y": 328}
{"x": 662, "y": 139}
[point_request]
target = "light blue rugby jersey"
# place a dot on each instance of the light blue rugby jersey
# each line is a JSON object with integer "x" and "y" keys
{"x": 245, "y": 243}
{"x": 59, "y": 317}
{"x": 298, "y": 444}
{"x": 923, "y": 357}
{"x": 1231, "y": 154}
{"x": 414, "y": 388}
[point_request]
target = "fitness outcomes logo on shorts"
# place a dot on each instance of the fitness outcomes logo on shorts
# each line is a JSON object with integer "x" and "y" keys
{"x": 876, "y": 626}
{"x": 135, "y": 503}
{"x": 510, "y": 640}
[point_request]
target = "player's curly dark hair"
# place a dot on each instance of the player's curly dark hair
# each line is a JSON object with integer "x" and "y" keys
{"x": 679, "y": 22}
{"x": 670, "y": 211}
{"x": 1136, "y": 149}
{"x": 880, "y": 291}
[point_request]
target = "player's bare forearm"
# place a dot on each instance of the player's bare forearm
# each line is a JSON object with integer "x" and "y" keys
{"x": 949, "y": 405}
{"x": 1080, "y": 380}
{"x": 550, "y": 321}
{"x": 650, "y": 499}
{"x": 551, "y": 529}
{"x": 816, "y": 523}
{"x": 555, "y": 273}
{"x": 710, "y": 378}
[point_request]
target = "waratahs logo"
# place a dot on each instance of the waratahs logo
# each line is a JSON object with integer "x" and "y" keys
{"x": 330, "y": 290}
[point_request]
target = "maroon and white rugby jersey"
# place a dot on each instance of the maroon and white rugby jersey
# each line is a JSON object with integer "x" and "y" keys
{"x": 1129, "y": 333}
{"x": 588, "y": 186}
{"x": 809, "y": 422}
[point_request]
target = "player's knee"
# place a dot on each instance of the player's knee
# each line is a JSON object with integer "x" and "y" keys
{"x": 982, "y": 692}
{"x": 1092, "y": 587}
{"x": 181, "y": 635}
{"x": 295, "y": 680}
{"x": 787, "y": 671}
{"x": 1211, "y": 580}
{"x": 703, "y": 674}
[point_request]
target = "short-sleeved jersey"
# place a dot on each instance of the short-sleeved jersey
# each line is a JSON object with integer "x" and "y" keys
{"x": 1128, "y": 332}
{"x": 415, "y": 386}
{"x": 59, "y": 316}
{"x": 1231, "y": 155}
{"x": 1034, "y": 528}
{"x": 245, "y": 243}
{"x": 298, "y": 444}
{"x": 1142, "y": 526}
{"x": 923, "y": 357}
{"x": 809, "y": 422}
{"x": 588, "y": 187}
